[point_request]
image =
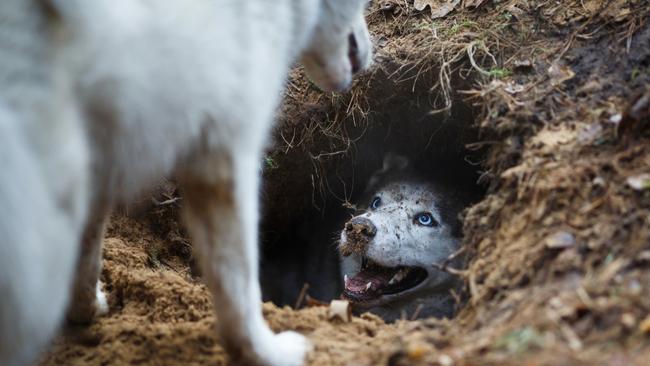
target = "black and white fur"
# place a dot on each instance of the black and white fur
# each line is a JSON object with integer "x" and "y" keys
{"x": 406, "y": 222}
{"x": 100, "y": 98}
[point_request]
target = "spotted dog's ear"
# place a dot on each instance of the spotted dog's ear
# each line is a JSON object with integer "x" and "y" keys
{"x": 393, "y": 164}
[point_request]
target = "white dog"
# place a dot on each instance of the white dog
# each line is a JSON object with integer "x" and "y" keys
{"x": 99, "y": 99}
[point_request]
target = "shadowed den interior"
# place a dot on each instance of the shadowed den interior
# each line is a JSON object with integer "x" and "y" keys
{"x": 307, "y": 205}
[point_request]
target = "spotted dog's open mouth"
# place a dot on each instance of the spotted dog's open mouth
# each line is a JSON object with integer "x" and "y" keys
{"x": 375, "y": 281}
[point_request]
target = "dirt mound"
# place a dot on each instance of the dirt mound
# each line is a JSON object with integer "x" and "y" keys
{"x": 549, "y": 100}
{"x": 161, "y": 315}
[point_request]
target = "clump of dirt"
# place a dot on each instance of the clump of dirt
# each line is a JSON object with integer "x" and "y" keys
{"x": 357, "y": 239}
{"x": 549, "y": 100}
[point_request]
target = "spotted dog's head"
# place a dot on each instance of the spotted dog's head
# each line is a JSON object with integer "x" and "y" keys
{"x": 340, "y": 45}
{"x": 389, "y": 250}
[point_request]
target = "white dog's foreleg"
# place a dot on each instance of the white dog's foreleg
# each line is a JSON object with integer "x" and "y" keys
{"x": 88, "y": 299}
{"x": 221, "y": 212}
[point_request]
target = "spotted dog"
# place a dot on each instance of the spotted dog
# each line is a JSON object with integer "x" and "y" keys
{"x": 390, "y": 250}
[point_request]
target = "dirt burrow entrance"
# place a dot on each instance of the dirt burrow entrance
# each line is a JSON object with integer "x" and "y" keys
{"x": 545, "y": 103}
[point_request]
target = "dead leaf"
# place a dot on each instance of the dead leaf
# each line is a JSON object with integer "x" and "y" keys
{"x": 416, "y": 351}
{"x": 553, "y": 137}
{"x": 590, "y": 133}
{"x": 590, "y": 87}
{"x": 559, "y": 74}
{"x": 472, "y": 3}
{"x": 513, "y": 88}
{"x": 515, "y": 11}
{"x": 644, "y": 327}
{"x": 439, "y": 8}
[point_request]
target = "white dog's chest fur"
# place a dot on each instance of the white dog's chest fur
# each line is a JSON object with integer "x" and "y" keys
{"x": 161, "y": 82}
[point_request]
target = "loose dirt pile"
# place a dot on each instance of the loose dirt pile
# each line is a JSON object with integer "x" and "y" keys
{"x": 560, "y": 245}
{"x": 161, "y": 315}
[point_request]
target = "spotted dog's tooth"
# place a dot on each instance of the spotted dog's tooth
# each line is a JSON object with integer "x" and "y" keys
{"x": 399, "y": 276}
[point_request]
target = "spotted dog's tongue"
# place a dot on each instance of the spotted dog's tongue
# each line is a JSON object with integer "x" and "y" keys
{"x": 374, "y": 280}
{"x": 370, "y": 280}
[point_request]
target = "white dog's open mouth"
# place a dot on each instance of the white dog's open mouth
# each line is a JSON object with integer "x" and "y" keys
{"x": 353, "y": 54}
{"x": 375, "y": 281}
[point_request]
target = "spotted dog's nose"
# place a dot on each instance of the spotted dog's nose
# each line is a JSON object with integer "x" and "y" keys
{"x": 358, "y": 233}
{"x": 361, "y": 226}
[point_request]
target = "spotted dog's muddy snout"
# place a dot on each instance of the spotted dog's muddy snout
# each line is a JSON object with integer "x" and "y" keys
{"x": 358, "y": 233}
{"x": 361, "y": 225}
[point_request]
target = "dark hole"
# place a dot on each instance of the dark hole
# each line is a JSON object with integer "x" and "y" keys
{"x": 304, "y": 211}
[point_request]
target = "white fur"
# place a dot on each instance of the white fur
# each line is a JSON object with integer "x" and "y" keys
{"x": 101, "y": 304}
{"x": 177, "y": 87}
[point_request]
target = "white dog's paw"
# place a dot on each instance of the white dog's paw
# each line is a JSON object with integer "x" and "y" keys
{"x": 87, "y": 305}
{"x": 289, "y": 349}
{"x": 101, "y": 304}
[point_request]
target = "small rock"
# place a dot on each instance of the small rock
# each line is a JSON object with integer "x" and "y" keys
{"x": 523, "y": 64}
{"x": 616, "y": 118}
{"x": 628, "y": 320}
{"x": 639, "y": 182}
{"x": 598, "y": 181}
{"x": 445, "y": 360}
{"x": 560, "y": 240}
{"x": 340, "y": 309}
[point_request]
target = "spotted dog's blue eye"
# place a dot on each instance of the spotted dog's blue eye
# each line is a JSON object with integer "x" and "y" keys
{"x": 425, "y": 219}
{"x": 375, "y": 203}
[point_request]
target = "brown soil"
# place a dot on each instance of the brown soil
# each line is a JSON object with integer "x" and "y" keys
{"x": 161, "y": 315}
{"x": 559, "y": 103}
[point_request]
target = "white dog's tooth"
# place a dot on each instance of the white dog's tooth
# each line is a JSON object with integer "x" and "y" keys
{"x": 368, "y": 286}
{"x": 345, "y": 280}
